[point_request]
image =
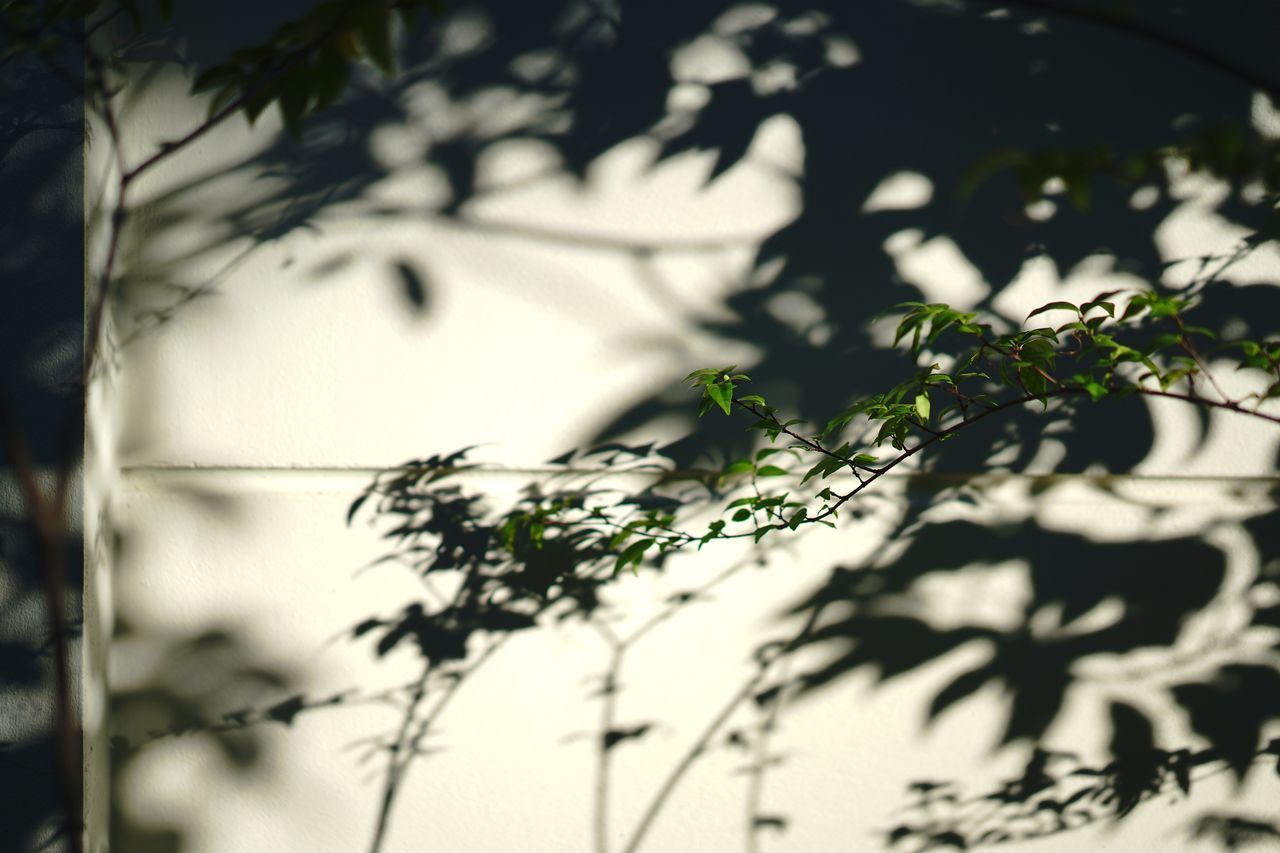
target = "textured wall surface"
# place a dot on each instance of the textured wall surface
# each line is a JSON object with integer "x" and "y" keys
{"x": 522, "y": 243}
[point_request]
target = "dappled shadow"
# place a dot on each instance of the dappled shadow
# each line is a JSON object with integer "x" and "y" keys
{"x": 41, "y": 271}
{"x": 990, "y": 157}
{"x": 203, "y": 687}
{"x": 1049, "y": 609}
{"x": 1072, "y": 602}
{"x": 1037, "y": 642}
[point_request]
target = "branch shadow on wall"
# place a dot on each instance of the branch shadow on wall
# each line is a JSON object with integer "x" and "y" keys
{"x": 917, "y": 158}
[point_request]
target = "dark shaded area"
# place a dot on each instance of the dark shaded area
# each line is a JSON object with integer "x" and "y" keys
{"x": 891, "y": 628}
{"x": 42, "y": 274}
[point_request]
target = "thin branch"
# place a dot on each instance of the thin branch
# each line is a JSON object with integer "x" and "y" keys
{"x": 396, "y": 763}
{"x": 1062, "y": 391}
{"x": 289, "y": 62}
{"x": 1196, "y": 399}
{"x": 703, "y": 741}
{"x": 809, "y": 443}
{"x": 1190, "y": 348}
{"x": 695, "y": 751}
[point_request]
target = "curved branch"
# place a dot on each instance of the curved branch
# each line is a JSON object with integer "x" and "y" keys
{"x": 942, "y": 435}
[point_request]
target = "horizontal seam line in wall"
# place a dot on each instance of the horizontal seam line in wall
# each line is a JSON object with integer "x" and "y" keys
{"x": 133, "y": 470}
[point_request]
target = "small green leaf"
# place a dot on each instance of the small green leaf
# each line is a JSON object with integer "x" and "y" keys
{"x": 771, "y": 471}
{"x": 800, "y": 515}
{"x": 1101, "y": 301}
{"x": 218, "y": 76}
{"x": 632, "y": 555}
{"x": 1080, "y": 192}
{"x": 722, "y": 394}
{"x": 702, "y": 376}
{"x": 330, "y": 77}
{"x": 222, "y": 100}
{"x": 922, "y": 407}
{"x": 295, "y": 97}
{"x": 374, "y": 30}
{"x": 1053, "y": 306}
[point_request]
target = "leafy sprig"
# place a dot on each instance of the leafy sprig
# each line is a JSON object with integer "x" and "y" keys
{"x": 1116, "y": 345}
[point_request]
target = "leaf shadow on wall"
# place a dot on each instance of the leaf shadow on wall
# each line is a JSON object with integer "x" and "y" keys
{"x": 909, "y": 107}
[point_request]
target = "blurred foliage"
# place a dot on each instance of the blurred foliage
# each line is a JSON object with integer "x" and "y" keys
{"x": 1015, "y": 139}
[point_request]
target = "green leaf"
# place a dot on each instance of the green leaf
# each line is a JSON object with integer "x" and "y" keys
{"x": 632, "y": 555}
{"x": 1033, "y": 382}
{"x": 701, "y": 376}
{"x": 742, "y": 515}
{"x": 221, "y": 100}
{"x": 771, "y": 471}
{"x": 800, "y": 515}
{"x": 922, "y": 407}
{"x": 219, "y": 75}
{"x": 373, "y": 26}
{"x": 722, "y": 394}
{"x": 254, "y": 106}
{"x": 295, "y": 97}
{"x": 707, "y": 375}
{"x": 1101, "y": 301}
{"x": 1053, "y": 306}
{"x": 1096, "y": 391}
{"x": 752, "y": 400}
{"x": 1080, "y": 192}
{"x": 329, "y": 77}
{"x": 821, "y": 469}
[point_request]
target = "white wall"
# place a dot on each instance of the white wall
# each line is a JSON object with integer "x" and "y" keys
{"x": 251, "y": 417}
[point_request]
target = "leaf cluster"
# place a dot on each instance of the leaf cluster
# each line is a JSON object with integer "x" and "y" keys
{"x": 1112, "y": 346}
{"x": 305, "y": 65}
{"x": 1238, "y": 154}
